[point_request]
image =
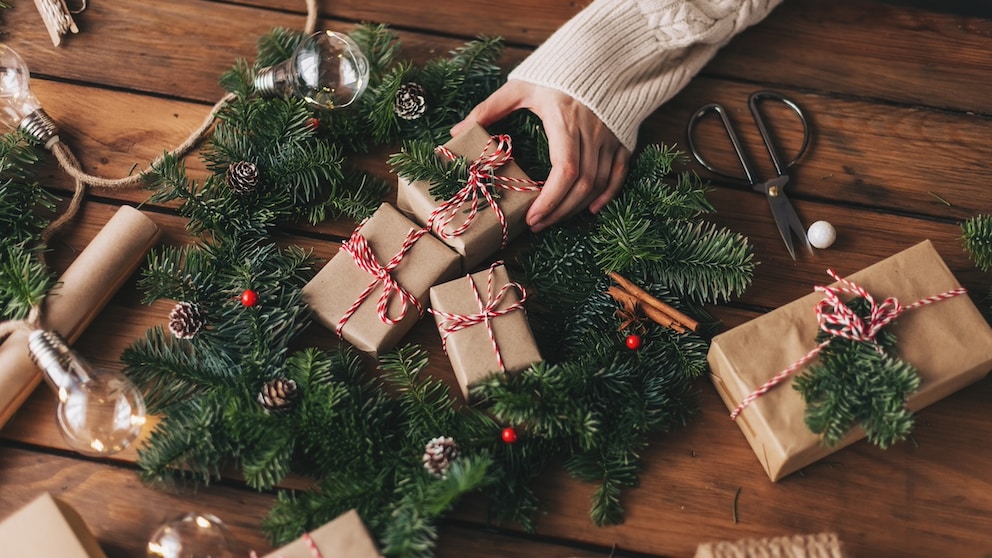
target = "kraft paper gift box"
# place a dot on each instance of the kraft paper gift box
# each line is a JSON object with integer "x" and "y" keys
{"x": 47, "y": 527}
{"x": 343, "y": 537}
{"x": 470, "y": 348}
{"x": 336, "y": 287}
{"x": 484, "y": 235}
{"x": 948, "y": 342}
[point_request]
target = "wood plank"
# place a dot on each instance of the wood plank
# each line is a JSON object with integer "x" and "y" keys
{"x": 867, "y": 49}
{"x": 518, "y": 21}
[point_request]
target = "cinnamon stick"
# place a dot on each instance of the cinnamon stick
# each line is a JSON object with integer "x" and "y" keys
{"x": 650, "y": 301}
{"x": 654, "y": 314}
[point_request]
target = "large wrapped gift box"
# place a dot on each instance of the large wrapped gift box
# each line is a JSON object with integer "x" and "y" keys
{"x": 460, "y": 306}
{"x": 333, "y": 292}
{"x": 484, "y": 235}
{"x": 343, "y": 537}
{"x": 47, "y": 527}
{"x": 948, "y": 342}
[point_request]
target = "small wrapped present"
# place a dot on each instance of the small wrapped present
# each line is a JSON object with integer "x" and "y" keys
{"x": 343, "y": 537}
{"x": 943, "y": 336}
{"x": 484, "y": 215}
{"x": 483, "y": 325}
{"x": 48, "y": 527}
{"x": 373, "y": 291}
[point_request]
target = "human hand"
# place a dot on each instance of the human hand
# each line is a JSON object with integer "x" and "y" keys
{"x": 588, "y": 162}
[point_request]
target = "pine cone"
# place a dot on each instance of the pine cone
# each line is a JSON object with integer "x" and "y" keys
{"x": 279, "y": 395}
{"x": 242, "y": 177}
{"x": 186, "y": 320}
{"x": 439, "y": 454}
{"x": 409, "y": 103}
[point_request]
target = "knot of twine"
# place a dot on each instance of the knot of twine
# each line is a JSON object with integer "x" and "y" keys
{"x": 360, "y": 251}
{"x": 488, "y": 311}
{"x": 839, "y": 320}
{"x": 481, "y": 175}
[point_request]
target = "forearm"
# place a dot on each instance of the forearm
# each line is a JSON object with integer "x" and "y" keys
{"x": 623, "y": 59}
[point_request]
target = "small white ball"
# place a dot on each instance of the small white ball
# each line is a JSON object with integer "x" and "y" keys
{"x": 821, "y": 234}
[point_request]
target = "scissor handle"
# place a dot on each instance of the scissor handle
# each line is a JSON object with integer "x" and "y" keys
{"x": 766, "y": 138}
{"x": 731, "y": 133}
{"x": 753, "y": 103}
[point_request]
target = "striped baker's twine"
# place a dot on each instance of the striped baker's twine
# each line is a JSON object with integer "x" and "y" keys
{"x": 451, "y": 323}
{"x": 358, "y": 247}
{"x": 481, "y": 175}
{"x": 837, "y": 319}
{"x": 308, "y": 540}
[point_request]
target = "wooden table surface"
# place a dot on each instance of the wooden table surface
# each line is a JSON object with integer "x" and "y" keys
{"x": 899, "y": 98}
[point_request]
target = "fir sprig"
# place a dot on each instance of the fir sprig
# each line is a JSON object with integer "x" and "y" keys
{"x": 25, "y": 210}
{"x": 977, "y": 235}
{"x": 858, "y": 383}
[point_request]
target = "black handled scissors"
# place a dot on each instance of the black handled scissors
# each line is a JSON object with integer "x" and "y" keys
{"x": 774, "y": 189}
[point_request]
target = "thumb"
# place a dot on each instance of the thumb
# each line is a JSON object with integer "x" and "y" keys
{"x": 500, "y": 103}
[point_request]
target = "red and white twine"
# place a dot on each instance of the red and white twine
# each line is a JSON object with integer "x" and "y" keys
{"x": 358, "y": 247}
{"x": 481, "y": 175}
{"x": 488, "y": 311}
{"x": 837, "y": 319}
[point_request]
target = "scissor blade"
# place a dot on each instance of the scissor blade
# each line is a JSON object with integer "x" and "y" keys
{"x": 788, "y": 223}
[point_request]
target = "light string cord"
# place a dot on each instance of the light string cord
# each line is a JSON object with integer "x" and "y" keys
{"x": 69, "y": 163}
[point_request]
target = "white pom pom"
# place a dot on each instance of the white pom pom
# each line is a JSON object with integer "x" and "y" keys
{"x": 821, "y": 234}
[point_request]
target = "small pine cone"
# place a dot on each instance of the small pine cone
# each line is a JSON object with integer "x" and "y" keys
{"x": 279, "y": 395}
{"x": 186, "y": 320}
{"x": 242, "y": 177}
{"x": 410, "y": 103}
{"x": 439, "y": 454}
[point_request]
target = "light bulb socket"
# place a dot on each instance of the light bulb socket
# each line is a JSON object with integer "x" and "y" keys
{"x": 49, "y": 350}
{"x": 266, "y": 83}
{"x": 40, "y": 127}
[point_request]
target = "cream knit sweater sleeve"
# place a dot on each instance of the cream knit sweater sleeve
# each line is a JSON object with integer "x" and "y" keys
{"x": 624, "y": 58}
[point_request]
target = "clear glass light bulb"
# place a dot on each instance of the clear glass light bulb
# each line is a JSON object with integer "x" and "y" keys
{"x": 327, "y": 70}
{"x": 19, "y": 108}
{"x": 100, "y": 412}
{"x": 192, "y": 535}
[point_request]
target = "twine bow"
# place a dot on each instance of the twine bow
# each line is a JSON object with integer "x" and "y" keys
{"x": 481, "y": 174}
{"x": 488, "y": 311}
{"x": 358, "y": 247}
{"x": 838, "y": 320}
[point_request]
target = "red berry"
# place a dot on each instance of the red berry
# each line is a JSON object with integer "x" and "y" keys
{"x": 633, "y": 342}
{"x": 249, "y": 298}
{"x": 509, "y": 435}
{"x": 313, "y": 123}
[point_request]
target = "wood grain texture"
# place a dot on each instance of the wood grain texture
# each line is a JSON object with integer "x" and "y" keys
{"x": 899, "y": 104}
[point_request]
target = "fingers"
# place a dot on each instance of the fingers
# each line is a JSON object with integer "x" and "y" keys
{"x": 618, "y": 172}
{"x": 501, "y": 103}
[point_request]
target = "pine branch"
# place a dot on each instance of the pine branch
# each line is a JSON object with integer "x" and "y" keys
{"x": 426, "y": 402}
{"x": 24, "y": 282}
{"x": 977, "y": 235}
{"x": 858, "y": 383}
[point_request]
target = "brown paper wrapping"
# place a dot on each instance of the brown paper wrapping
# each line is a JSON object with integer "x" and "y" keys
{"x": 948, "y": 342}
{"x": 483, "y": 238}
{"x": 48, "y": 527}
{"x": 337, "y": 286}
{"x": 343, "y": 537}
{"x": 85, "y": 288}
{"x": 470, "y": 350}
